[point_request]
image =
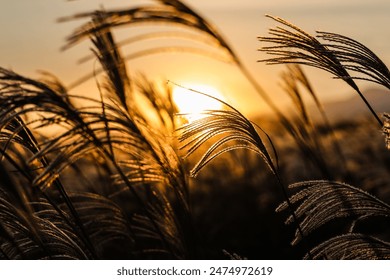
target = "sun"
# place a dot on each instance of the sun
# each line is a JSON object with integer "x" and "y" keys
{"x": 193, "y": 103}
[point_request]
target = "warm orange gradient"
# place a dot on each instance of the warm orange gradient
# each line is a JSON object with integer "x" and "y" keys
{"x": 31, "y": 40}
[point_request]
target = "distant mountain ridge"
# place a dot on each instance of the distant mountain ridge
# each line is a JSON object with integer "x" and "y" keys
{"x": 351, "y": 109}
{"x": 354, "y": 107}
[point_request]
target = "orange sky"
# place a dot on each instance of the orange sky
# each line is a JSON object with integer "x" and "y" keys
{"x": 31, "y": 39}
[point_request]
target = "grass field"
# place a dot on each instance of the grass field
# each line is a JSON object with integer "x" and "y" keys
{"x": 122, "y": 174}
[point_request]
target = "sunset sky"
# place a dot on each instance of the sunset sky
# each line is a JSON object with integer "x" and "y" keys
{"x": 31, "y": 40}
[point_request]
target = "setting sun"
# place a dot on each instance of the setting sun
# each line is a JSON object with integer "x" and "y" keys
{"x": 190, "y": 101}
{"x": 192, "y": 130}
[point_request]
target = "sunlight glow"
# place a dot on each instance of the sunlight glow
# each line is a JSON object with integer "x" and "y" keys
{"x": 193, "y": 103}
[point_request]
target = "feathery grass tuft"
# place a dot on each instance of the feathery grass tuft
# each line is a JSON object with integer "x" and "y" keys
{"x": 323, "y": 201}
{"x": 232, "y": 126}
{"x": 352, "y": 246}
{"x": 290, "y": 44}
{"x": 358, "y": 58}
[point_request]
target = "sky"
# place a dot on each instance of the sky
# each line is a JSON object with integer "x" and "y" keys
{"x": 31, "y": 40}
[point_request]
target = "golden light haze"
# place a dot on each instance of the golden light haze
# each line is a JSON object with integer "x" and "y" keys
{"x": 31, "y": 40}
{"x": 189, "y": 100}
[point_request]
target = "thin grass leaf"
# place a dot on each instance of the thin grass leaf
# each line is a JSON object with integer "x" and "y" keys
{"x": 233, "y": 256}
{"x": 386, "y": 130}
{"x": 118, "y": 83}
{"x": 290, "y": 86}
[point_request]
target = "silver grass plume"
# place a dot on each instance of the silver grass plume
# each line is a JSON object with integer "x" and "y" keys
{"x": 320, "y": 202}
{"x": 290, "y": 44}
{"x": 357, "y": 57}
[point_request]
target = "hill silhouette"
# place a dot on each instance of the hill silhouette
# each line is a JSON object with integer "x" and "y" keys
{"x": 354, "y": 108}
